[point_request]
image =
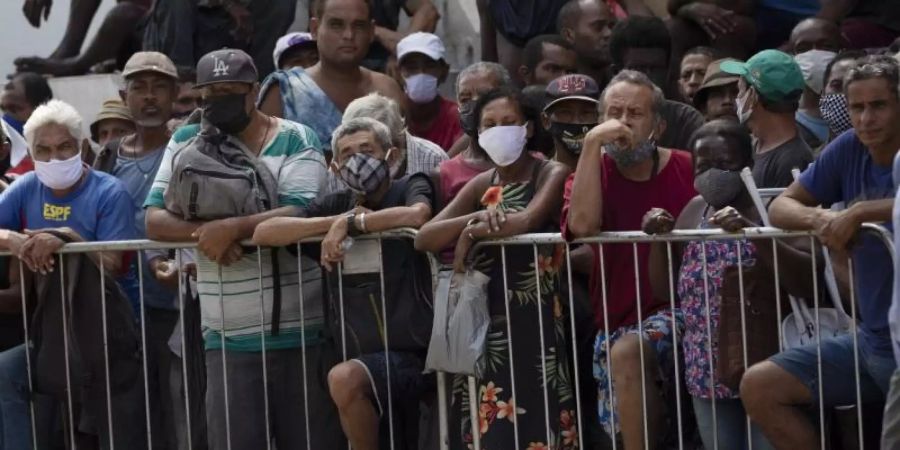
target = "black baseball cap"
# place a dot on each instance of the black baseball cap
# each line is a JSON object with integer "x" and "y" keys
{"x": 228, "y": 65}
{"x": 572, "y": 87}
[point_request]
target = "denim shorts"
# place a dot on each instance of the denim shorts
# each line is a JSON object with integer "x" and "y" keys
{"x": 838, "y": 376}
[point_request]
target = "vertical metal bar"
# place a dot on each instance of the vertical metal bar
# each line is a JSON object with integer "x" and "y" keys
{"x": 537, "y": 279}
{"x": 28, "y": 352}
{"x": 473, "y": 414}
{"x": 340, "y": 267}
{"x": 612, "y": 399}
{"x": 712, "y": 368}
{"x": 303, "y": 347}
{"x": 65, "y": 302}
{"x": 740, "y": 265}
{"x": 262, "y": 335}
{"x": 640, "y": 323}
{"x": 443, "y": 431}
{"x": 140, "y": 271}
{"x": 859, "y": 405}
{"x": 512, "y": 373}
{"x": 581, "y": 426}
{"x": 184, "y": 368}
{"x": 777, "y": 293}
{"x": 109, "y": 413}
{"x": 675, "y": 345}
{"x": 812, "y": 242}
{"x": 224, "y": 357}
{"x": 387, "y": 362}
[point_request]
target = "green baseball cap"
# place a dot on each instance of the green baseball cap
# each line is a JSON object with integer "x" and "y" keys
{"x": 774, "y": 74}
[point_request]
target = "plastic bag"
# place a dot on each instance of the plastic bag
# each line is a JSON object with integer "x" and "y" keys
{"x": 461, "y": 320}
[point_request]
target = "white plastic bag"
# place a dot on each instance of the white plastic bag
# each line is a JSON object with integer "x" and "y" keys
{"x": 459, "y": 333}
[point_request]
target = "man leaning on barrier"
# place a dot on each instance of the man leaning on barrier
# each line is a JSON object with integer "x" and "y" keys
{"x": 622, "y": 173}
{"x": 280, "y": 156}
{"x": 363, "y": 387}
{"x": 855, "y": 169}
{"x": 62, "y": 201}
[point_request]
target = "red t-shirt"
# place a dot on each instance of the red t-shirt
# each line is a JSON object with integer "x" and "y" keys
{"x": 445, "y": 129}
{"x": 624, "y": 204}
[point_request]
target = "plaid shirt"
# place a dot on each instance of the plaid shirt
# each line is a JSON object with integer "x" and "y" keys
{"x": 422, "y": 156}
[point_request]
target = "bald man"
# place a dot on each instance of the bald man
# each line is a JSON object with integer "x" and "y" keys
{"x": 816, "y": 34}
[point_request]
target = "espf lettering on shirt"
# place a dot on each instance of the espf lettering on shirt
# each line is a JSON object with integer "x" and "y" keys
{"x": 57, "y": 213}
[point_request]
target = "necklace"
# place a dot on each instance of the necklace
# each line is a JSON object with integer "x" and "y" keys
{"x": 137, "y": 163}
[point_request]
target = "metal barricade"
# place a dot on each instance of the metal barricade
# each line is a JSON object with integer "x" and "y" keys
{"x": 554, "y": 439}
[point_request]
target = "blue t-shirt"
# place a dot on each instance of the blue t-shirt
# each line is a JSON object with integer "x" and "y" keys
{"x": 100, "y": 209}
{"x": 137, "y": 175}
{"x": 798, "y": 7}
{"x": 846, "y": 173}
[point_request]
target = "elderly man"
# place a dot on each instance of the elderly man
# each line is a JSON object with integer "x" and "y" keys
{"x": 65, "y": 201}
{"x": 292, "y": 155}
{"x": 621, "y": 175}
{"x": 360, "y": 387}
{"x": 114, "y": 121}
{"x": 413, "y": 155}
{"x": 317, "y": 96}
{"x": 855, "y": 168}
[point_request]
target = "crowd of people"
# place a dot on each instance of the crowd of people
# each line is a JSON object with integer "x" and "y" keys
{"x": 585, "y": 117}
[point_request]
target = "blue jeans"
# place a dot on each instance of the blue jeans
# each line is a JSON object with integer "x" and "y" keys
{"x": 838, "y": 374}
{"x": 14, "y": 419}
{"x": 730, "y": 424}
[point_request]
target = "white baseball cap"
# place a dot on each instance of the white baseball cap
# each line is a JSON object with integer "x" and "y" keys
{"x": 419, "y": 42}
{"x": 287, "y": 41}
{"x": 813, "y": 64}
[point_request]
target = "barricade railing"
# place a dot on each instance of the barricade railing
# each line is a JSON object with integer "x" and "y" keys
{"x": 553, "y": 433}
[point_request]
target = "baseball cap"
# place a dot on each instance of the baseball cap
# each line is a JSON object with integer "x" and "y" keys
{"x": 773, "y": 74}
{"x": 421, "y": 42}
{"x": 812, "y": 65}
{"x": 228, "y": 65}
{"x": 714, "y": 77}
{"x": 150, "y": 62}
{"x": 111, "y": 109}
{"x": 572, "y": 87}
{"x": 290, "y": 40}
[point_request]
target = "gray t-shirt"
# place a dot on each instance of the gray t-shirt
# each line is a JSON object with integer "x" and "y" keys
{"x": 772, "y": 169}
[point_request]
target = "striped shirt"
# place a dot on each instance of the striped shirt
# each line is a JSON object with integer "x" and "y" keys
{"x": 296, "y": 161}
{"x": 422, "y": 156}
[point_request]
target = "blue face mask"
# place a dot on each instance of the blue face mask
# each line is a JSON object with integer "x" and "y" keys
{"x": 17, "y": 125}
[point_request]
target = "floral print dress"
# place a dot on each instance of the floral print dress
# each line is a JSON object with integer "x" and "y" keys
{"x": 698, "y": 336}
{"x": 504, "y": 411}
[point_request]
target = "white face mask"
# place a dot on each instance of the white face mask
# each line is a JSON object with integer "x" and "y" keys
{"x": 504, "y": 144}
{"x": 421, "y": 88}
{"x": 59, "y": 174}
{"x": 741, "y": 102}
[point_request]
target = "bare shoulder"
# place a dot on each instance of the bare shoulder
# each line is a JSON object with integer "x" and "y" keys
{"x": 384, "y": 85}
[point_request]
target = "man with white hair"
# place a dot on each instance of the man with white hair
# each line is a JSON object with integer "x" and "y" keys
{"x": 375, "y": 381}
{"x": 64, "y": 200}
{"x": 413, "y": 155}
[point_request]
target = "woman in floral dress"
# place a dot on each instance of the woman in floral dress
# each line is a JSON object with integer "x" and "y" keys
{"x": 721, "y": 149}
{"x": 522, "y": 194}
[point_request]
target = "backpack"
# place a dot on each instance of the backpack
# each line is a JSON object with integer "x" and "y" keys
{"x": 69, "y": 356}
{"x": 214, "y": 178}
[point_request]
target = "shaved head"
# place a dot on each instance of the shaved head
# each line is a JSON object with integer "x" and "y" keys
{"x": 816, "y": 34}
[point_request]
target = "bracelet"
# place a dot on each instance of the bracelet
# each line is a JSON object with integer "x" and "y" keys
{"x": 362, "y": 223}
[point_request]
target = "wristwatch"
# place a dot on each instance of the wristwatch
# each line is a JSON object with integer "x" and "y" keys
{"x": 352, "y": 230}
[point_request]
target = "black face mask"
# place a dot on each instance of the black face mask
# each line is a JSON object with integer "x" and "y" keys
{"x": 227, "y": 113}
{"x": 571, "y": 135}
{"x": 467, "y": 119}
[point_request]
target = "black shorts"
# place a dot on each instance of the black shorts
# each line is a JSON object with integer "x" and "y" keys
{"x": 406, "y": 379}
